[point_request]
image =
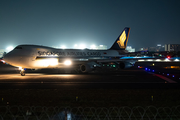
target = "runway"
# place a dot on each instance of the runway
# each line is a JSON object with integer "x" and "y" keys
{"x": 129, "y": 87}
{"x": 130, "y": 78}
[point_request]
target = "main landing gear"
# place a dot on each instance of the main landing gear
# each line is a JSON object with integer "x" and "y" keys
{"x": 22, "y": 72}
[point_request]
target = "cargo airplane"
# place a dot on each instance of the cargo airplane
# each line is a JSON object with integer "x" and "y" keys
{"x": 85, "y": 60}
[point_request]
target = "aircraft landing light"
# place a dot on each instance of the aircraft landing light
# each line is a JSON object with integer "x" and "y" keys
{"x": 67, "y": 62}
{"x": 20, "y": 68}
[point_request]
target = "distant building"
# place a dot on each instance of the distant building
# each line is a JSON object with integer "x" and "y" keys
{"x": 143, "y": 49}
{"x": 172, "y": 47}
{"x": 152, "y": 49}
{"x": 159, "y": 48}
{"x": 130, "y": 49}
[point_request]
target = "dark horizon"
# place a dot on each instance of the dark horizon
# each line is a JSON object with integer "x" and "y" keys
{"x": 70, "y": 22}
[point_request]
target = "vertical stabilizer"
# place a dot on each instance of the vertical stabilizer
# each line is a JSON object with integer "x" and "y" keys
{"x": 121, "y": 41}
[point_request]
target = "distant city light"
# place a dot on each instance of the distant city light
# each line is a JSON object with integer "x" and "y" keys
{"x": 101, "y": 45}
{"x": 9, "y": 48}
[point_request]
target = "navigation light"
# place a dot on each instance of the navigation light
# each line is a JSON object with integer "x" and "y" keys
{"x": 168, "y": 57}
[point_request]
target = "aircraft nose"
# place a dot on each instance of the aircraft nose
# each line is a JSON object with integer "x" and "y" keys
{"x": 7, "y": 58}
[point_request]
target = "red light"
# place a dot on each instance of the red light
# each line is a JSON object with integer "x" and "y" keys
{"x": 168, "y": 57}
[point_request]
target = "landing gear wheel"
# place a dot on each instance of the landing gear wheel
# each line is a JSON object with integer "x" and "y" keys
{"x": 22, "y": 73}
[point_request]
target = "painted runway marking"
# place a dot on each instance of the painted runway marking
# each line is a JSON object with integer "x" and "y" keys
{"x": 164, "y": 78}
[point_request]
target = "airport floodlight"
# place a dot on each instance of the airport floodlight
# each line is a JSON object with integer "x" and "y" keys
{"x": 82, "y": 46}
{"x": 9, "y": 48}
{"x": 92, "y": 47}
{"x": 63, "y": 47}
{"x": 75, "y": 46}
{"x": 101, "y": 45}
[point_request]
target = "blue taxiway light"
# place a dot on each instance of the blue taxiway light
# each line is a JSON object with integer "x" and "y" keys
{"x": 153, "y": 70}
{"x": 149, "y": 69}
{"x": 145, "y": 68}
{"x": 167, "y": 74}
{"x": 173, "y": 76}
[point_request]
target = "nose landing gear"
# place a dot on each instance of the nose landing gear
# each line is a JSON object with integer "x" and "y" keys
{"x": 22, "y": 72}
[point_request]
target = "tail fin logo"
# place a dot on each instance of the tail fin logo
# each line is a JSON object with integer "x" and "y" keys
{"x": 121, "y": 40}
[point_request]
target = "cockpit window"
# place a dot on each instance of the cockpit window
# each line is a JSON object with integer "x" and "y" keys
{"x": 18, "y": 47}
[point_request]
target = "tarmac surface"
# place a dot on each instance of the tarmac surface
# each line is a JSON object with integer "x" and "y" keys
{"x": 128, "y": 78}
{"x": 129, "y": 87}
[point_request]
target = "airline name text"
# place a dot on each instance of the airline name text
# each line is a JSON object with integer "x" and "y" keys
{"x": 56, "y": 53}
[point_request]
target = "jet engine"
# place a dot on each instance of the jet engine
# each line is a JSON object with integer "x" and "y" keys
{"x": 124, "y": 65}
{"x": 84, "y": 68}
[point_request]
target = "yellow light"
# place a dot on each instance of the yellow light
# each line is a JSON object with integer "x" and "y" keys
{"x": 20, "y": 68}
{"x": 47, "y": 62}
{"x": 67, "y": 62}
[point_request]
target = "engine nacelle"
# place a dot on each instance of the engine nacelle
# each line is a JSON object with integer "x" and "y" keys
{"x": 84, "y": 68}
{"x": 124, "y": 65}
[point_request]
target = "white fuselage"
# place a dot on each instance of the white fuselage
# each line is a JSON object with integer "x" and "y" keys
{"x": 34, "y": 56}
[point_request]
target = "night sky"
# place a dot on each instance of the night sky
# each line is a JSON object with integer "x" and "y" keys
{"x": 69, "y": 22}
